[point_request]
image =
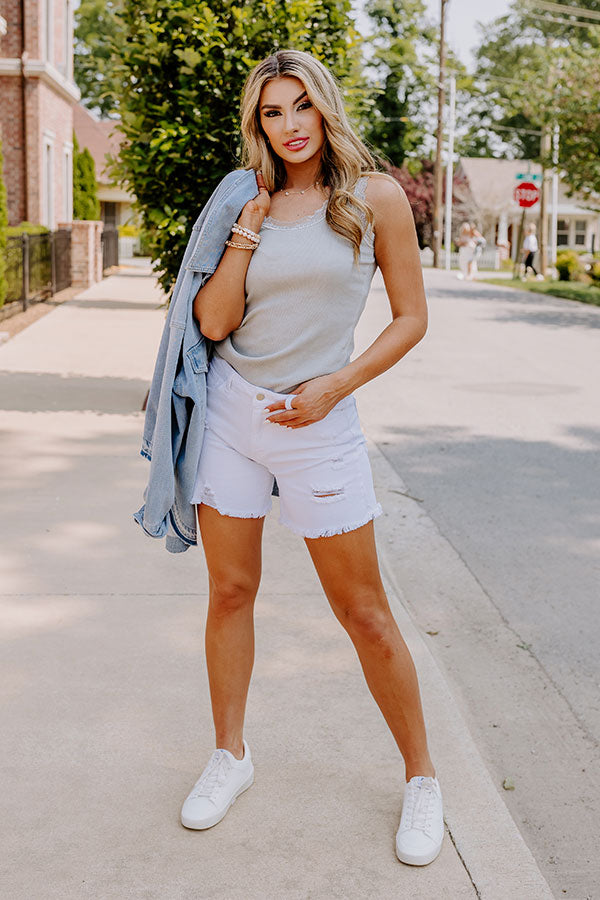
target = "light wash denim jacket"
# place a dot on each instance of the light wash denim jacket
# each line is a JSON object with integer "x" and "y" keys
{"x": 174, "y": 424}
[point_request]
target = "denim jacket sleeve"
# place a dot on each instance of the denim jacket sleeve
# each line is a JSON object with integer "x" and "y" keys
{"x": 174, "y": 422}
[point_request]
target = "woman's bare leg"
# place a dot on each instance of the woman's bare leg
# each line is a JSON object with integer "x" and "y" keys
{"x": 348, "y": 569}
{"x": 233, "y": 555}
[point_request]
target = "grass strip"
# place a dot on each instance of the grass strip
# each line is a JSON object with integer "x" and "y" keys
{"x": 566, "y": 290}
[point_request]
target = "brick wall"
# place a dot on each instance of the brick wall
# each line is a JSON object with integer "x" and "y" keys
{"x": 86, "y": 252}
{"x": 49, "y": 112}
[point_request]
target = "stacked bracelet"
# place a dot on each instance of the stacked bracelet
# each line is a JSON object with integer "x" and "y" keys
{"x": 245, "y": 232}
{"x": 241, "y": 246}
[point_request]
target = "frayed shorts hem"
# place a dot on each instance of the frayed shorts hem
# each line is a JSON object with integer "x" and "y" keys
{"x": 232, "y": 514}
{"x": 312, "y": 533}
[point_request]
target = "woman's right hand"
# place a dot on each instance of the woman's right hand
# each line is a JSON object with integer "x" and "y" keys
{"x": 255, "y": 210}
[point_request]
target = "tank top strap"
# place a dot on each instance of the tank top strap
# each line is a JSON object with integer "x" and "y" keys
{"x": 361, "y": 186}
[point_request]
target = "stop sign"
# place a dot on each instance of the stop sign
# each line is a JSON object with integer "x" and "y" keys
{"x": 526, "y": 193}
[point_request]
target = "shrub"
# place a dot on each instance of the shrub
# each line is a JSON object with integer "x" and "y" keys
{"x": 568, "y": 265}
{"x": 26, "y": 228}
{"x": 179, "y": 74}
{"x": 3, "y": 230}
{"x": 594, "y": 272}
{"x": 85, "y": 189}
{"x": 128, "y": 231}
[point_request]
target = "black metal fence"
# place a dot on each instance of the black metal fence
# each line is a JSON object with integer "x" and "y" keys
{"x": 37, "y": 265}
{"x": 110, "y": 248}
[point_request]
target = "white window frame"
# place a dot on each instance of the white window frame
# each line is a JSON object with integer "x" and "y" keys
{"x": 578, "y": 231}
{"x": 68, "y": 37}
{"x": 47, "y": 180}
{"x": 563, "y": 231}
{"x": 67, "y": 182}
{"x": 48, "y": 34}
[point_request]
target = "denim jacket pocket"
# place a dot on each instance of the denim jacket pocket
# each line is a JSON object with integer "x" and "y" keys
{"x": 198, "y": 358}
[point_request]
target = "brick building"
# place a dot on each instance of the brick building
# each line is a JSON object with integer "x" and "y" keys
{"x": 37, "y": 94}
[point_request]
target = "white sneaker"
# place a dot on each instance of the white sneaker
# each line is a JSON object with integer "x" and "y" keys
{"x": 421, "y": 832}
{"x": 222, "y": 781}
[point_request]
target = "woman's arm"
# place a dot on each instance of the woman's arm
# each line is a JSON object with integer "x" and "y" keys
{"x": 219, "y": 304}
{"x": 397, "y": 254}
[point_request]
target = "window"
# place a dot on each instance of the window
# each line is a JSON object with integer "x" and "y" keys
{"x": 562, "y": 233}
{"x": 580, "y": 232}
{"x": 68, "y": 39}
{"x": 67, "y": 210}
{"x": 48, "y": 183}
{"x": 48, "y": 26}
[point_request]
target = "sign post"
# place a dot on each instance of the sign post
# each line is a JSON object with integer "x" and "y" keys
{"x": 526, "y": 193}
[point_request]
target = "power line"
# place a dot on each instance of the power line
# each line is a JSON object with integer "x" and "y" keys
{"x": 564, "y": 9}
{"x": 546, "y": 18}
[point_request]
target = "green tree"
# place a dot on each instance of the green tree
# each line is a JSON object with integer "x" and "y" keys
{"x": 85, "y": 189}
{"x": 98, "y": 34}
{"x": 179, "y": 84}
{"x": 516, "y": 86}
{"x": 3, "y": 225}
{"x": 401, "y": 63}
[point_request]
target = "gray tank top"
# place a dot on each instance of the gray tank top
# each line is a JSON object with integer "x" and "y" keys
{"x": 304, "y": 297}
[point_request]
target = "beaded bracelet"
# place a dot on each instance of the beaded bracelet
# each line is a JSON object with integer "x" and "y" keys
{"x": 245, "y": 232}
{"x": 241, "y": 246}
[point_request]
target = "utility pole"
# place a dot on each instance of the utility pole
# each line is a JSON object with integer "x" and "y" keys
{"x": 545, "y": 146}
{"x": 545, "y": 149}
{"x": 437, "y": 171}
{"x": 449, "y": 172}
{"x": 554, "y": 217}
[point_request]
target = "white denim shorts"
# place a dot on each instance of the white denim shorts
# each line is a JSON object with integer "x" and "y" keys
{"x": 322, "y": 470}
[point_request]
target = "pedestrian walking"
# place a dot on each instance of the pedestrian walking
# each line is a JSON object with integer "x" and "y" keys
{"x": 530, "y": 248}
{"x": 279, "y": 303}
{"x": 480, "y": 244}
{"x": 466, "y": 251}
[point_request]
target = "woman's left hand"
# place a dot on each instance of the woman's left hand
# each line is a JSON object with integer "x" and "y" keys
{"x": 311, "y": 402}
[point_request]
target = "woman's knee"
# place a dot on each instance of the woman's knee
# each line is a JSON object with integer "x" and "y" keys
{"x": 367, "y": 616}
{"x": 231, "y": 591}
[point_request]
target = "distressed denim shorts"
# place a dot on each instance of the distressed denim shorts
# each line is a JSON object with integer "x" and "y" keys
{"x": 322, "y": 470}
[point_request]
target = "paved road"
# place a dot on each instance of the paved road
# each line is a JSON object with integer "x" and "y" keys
{"x": 493, "y": 423}
{"x": 104, "y": 689}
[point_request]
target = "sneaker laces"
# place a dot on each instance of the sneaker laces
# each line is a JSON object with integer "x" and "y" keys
{"x": 213, "y": 776}
{"x": 421, "y": 803}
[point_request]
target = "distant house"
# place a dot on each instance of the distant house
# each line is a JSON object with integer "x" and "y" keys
{"x": 102, "y": 137}
{"x": 37, "y": 96}
{"x": 487, "y": 192}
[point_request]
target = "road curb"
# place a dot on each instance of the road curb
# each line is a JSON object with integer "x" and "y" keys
{"x": 486, "y": 838}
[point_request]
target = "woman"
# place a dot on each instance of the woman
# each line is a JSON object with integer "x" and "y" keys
{"x": 281, "y": 308}
{"x": 466, "y": 251}
{"x": 530, "y": 248}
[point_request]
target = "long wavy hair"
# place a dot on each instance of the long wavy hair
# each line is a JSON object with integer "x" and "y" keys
{"x": 344, "y": 157}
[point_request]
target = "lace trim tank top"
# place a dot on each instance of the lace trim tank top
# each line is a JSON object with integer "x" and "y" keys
{"x": 304, "y": 297}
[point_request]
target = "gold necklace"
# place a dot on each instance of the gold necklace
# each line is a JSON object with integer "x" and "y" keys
{"x": 287, "y": 193}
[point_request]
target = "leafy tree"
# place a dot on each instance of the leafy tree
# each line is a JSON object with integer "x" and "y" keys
{"x": 98, "y": 34}
{"x": 416, "y": 177}
{"x": 85, "y": 189}
{"x": 402, "y": 66}
{"x": 516, "y": 86}
{"x": 179, "y": 82}
{"x": 578, "y": 115}
{"x": 3, "y": 224}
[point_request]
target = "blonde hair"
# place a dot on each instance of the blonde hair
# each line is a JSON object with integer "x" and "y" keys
{"x": 344, "y": 157}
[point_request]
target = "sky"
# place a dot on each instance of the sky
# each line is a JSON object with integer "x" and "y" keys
{"x": 461, "y": 17}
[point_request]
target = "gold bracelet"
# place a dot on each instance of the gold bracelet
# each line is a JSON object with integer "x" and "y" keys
{"x": 241, "y": 246}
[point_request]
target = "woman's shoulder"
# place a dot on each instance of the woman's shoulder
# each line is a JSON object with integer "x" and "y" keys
{"x": 383, "y": 193}
{"x": 386, "y": 197}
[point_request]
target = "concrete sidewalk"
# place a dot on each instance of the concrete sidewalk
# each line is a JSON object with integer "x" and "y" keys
{"x": 106, "y": 707}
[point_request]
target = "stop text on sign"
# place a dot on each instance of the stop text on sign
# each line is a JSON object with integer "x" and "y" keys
{"x": 526, "y": 193}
